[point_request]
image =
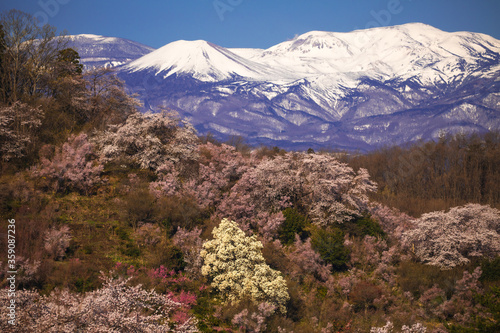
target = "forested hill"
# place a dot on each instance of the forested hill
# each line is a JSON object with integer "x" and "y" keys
{"x": 436, "y": 175}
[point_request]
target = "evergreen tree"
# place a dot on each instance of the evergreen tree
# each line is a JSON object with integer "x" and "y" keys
{"x": 70, "y": 61}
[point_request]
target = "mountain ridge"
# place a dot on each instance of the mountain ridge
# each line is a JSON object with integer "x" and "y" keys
{"x": 355, "y": 90}
{"x": 100, "y": 51}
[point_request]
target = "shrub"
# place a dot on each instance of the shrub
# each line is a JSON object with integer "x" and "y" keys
{"x": 490, "y": 299}
{"x": 417, "y": 278}
{"x": 57, "y": 241}
{"x": 294, "y": 223}
{"x": 170, "y": 256}
{"x": 131, "y": 250}
{"x": 275, "y": 257}
{"x": 363, "y": 294}
{"x": 138, "y": 206}
{"x": 122, "y": 233}
{"x": 491, "y": 270}
{"x": 363, "y": 226}
{"x": 178, "y": 211}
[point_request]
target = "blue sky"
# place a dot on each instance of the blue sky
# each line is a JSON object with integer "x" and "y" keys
{"x": 252, "y": 23}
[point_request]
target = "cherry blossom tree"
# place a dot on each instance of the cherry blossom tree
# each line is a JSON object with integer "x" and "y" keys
{"x": 149, "y": 140}
{"x": 148, "y": 235}
{"x": 253, "y": 321}
{"x": 269, "y": 186}
{"x": 18, "y": 125}
{"x": 337, "y": 192}
{"x": 449, "y": 239}
{"x": 464, "y": 306}
{"x": 220, "y": 166}
{"x": 331, "y": 191}
{"x": 237, "y": 268}
{"x": 308, "y": 260}
{"x": 392, "y": 220}
{"x": 116, "y": 307}
{"x": 71, "y": 167}
{"x": 389, "y": 328}
{"x": 168, "y": 183}
{"x": 190, "y": 244}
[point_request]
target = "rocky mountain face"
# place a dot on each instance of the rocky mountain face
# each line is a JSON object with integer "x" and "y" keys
{"x": 357, "y": 91}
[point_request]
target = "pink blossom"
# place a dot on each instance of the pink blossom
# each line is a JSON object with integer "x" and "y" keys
{"x": 72, "y": 167}
{"x": 449, "y": 239}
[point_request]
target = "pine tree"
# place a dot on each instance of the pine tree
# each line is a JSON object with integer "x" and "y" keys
{"x": 71, "y": 59}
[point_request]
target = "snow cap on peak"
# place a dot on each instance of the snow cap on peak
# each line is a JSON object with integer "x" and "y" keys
{"x": 96, "y": 38}
{"x": 201, "y": 59}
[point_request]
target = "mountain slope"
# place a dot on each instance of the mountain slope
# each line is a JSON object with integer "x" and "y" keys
{"x": 355, "y": 90}
{"x": 100, "y": 51}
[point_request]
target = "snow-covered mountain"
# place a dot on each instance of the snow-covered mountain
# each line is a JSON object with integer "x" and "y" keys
{"x": 355, "y": 90}
{"x": 100, "y": 51}
{"x": 203, "y": 61}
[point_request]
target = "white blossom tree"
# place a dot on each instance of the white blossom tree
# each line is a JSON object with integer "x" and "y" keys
{"x": 237, "y": 268}
{"x": 449, "y": 239}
